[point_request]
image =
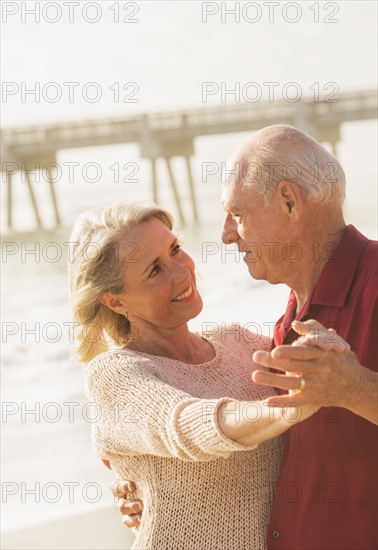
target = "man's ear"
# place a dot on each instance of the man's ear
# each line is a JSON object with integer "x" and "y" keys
{"x": 113, "y": 302}
{"x": 291, "y": 200}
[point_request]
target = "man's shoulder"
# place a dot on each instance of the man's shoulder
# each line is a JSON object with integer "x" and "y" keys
{"x": 368, "y": 262}
{"x": 372, "y": 248}
{"x": 359, "y": 252}
{"x": 359, "y": 239}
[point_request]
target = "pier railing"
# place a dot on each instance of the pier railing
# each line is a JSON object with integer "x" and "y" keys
{"x": 172, "y": 133}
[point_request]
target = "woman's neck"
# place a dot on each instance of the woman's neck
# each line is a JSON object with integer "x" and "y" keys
{"x": 175, "y": 343}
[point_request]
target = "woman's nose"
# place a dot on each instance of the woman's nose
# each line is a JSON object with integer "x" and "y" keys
{"x": 229, "y": 230}
{"x": 181, "y": 273}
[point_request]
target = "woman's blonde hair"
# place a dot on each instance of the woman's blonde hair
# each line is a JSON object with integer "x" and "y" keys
{"x": 97, "y": 266}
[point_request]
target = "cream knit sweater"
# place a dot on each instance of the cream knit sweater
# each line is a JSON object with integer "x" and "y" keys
{"x": 159, "y": 427}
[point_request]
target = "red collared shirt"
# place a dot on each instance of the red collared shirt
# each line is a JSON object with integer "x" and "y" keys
{"x": 326, "y": 495}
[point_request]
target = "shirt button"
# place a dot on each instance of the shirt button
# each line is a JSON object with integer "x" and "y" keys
{"x": 276, "y": 534}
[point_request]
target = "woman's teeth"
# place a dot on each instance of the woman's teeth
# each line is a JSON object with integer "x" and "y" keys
{"x": 184, "y": 294}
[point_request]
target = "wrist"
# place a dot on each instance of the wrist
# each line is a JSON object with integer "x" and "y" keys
{"x": 358, "y": 377}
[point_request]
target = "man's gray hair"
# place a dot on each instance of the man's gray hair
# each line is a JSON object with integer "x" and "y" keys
{"x": 282, "y": 152}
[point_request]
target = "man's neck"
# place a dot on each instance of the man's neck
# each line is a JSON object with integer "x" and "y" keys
{"x": 314, "y": 259}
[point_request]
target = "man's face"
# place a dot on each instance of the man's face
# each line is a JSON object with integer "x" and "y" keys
{"x": 260, "y": 232}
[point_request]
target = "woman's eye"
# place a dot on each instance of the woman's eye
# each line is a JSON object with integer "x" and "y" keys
{"x": 155, "y": 270}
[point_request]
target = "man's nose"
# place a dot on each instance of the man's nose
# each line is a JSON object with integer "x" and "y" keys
{"x": 229, "y": 230}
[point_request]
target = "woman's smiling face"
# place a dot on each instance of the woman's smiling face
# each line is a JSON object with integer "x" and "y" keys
{"x": 159, "y": 280}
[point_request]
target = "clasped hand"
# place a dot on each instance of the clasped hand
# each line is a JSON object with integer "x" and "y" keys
{"x": 318, "y": 368}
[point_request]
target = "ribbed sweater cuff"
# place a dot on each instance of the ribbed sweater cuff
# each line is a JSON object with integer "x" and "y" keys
{"x": 197, "y": 431}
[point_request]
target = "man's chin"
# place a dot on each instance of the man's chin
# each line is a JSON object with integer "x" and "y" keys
{"x": 262, "y": 275}
{"x": 255, "y": 272}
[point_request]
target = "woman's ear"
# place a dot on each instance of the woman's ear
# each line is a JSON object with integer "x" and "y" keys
{"x": 290, "y": 197}
{"x": 113, "y": 302}
{"x": 107, "y": 463}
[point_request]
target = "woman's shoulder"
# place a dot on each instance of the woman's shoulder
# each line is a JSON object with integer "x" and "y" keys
{"x": 116, "y": 362}
{"x": 235, "y": 334}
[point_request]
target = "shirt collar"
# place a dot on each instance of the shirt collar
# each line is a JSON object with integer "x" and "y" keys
{"x": 333, "y": 284}
{"x": 336, "y": 278}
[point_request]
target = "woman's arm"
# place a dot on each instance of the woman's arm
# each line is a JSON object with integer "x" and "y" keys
{"x": 252, "y": 423}
{"x": 140, "y": 414}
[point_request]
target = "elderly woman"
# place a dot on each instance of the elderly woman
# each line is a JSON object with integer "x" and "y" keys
{"x": 180, "y": 413}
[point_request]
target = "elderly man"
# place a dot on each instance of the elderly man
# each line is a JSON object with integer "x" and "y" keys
{"x": 283, "y": 204}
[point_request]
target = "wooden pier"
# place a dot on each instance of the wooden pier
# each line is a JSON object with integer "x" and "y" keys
{"x": 169, "y": 134}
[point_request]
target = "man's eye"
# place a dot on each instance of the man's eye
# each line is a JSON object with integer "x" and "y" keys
{"x": 236, "y": 217}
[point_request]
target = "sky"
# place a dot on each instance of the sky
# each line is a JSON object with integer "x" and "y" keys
{"x": 174, "y": 48}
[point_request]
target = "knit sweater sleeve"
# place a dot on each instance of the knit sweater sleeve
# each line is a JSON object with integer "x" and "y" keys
{"x": 137, "y": 413}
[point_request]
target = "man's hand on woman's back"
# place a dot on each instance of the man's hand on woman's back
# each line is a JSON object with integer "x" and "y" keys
{"x": 131, "y": 510}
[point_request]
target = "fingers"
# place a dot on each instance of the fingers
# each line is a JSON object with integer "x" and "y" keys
{"x": 130, "y": 508}
{"x": 324, "y": 340}
{"x": 303, "y": 327}
{"x": 287, "y": 358}
{"x": 131, "y": 512}
{"x": 314, "y": 333}
{"x": 290, "y": 354}
{"x": 281, "y": 381}
{"x": 122, "y": 489}
{"x": 132, "y": 521}
{"x": 265, "y": 359}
